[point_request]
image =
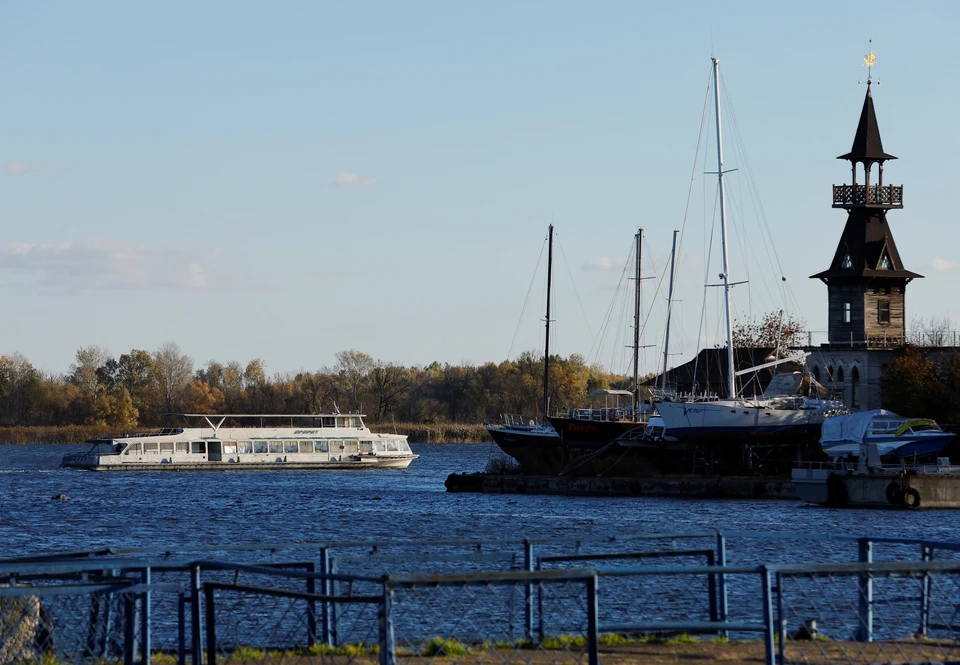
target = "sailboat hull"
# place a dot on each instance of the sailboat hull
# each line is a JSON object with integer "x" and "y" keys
{"x": 739, "y": 421}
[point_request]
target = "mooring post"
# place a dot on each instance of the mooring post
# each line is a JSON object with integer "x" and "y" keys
{"x": 865, "y": 592}
{"x": 388, "y": 645}
{"x": 325, "y": 590}
{"x": 540, "y": 627}
{"x": 768, "y": 634}
{"x": 781, "y": 621}
{"x": 211, "y": 626}
{"x": 146, "y": 647}
{"x": 196, "y": 645}
{"x": 528, "y": 591}
{"x": 926, "y": 554}
{"x": 593, "y": 627}
{"x": 311, "y": 606}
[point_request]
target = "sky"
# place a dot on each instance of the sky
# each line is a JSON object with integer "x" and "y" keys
{"x": 290, "y": 180}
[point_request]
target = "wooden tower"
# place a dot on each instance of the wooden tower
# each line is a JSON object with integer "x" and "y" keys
{"x": 866, "y": 282}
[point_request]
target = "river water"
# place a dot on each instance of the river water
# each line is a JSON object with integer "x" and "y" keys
{"x": 186, "y": 509}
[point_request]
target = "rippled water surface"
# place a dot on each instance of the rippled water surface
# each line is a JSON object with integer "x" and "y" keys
{"x": 193, "y": 508}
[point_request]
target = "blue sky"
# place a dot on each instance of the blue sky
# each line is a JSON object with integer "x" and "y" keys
{"x": 287, "y": 181}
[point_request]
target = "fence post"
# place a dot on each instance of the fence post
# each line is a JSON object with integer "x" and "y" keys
{"x": 540, "y": 626}
{"x": 211, "y": 626}
{"x": 325, "y": 590}
{"x": 721, "y": 578}
{"x": 388, "y": 645}
{"x": 768, "y": 640}
{"x": 311, "y": 606}
{"x": 865, "y": 592}
{"x": 926, "y": 555}
{"x": 528, "y": 591}
{"x": 334, "y": 608}
{"x": 781, "y": 621}
{"x": 181, "y": 629}
{"x": 146, "y": 648}
{"x": 593, "y": 657}
{"x": 196, "y": 645}
{"x": 129, "y": 635}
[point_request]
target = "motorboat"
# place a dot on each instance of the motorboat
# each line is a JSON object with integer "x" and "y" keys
{"x": 892, "y": 435}
{"x": 249, "y": 442}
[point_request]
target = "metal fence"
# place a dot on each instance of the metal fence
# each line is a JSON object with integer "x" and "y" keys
{"x": 706, "y": 595}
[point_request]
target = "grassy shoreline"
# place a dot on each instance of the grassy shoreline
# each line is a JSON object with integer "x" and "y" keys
{"x": 74, "y": 434}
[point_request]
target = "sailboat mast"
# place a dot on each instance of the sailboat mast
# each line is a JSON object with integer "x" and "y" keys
{"x": 666, "y": 336}
{"x": 546, "y": 344}
{"x": 725, "y": 276}
{"x": 636, "y": 333}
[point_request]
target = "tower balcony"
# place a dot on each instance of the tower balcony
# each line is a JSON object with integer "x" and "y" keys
{"x": 868, "y": 196}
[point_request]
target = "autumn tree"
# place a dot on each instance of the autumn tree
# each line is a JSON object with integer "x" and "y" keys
{"x": 172, "y": 371}
{"x": 774, "y": 330}
{"x": 353, "y": 367}
{"x": 911, "y": 385}
{"x": 19, "y": 389}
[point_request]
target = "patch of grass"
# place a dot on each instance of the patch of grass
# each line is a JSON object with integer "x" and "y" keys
{"x": 437, "y": 646}
{"x": 161, "y": 658}
{"x": 562, "y": 641}
{"x": 613, "y": 638}
{"x": 682, "y": 638}
{"x": 245, "y": 653}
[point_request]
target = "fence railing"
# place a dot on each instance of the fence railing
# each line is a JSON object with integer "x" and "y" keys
{"x": 530, "y": 600}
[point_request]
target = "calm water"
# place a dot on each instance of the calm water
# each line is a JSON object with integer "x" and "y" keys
{"x": 154, "y": 509}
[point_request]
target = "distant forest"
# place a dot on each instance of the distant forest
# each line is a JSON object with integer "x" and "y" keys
{"x": 135, "y": 388}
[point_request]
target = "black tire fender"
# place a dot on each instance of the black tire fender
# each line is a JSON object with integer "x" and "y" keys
{"x": 911, "y": 498}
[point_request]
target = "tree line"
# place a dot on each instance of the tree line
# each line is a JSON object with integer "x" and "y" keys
{"x": 136, "y": 388}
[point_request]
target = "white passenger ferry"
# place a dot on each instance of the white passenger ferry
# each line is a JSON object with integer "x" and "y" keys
{"x": 267, "y": 442}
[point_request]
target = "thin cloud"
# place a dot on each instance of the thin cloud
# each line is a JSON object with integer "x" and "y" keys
{"x": 345, "y": 179}
{"x": 943, "y": 264}
{"x": 23, "y": 168}
{"x": 100, "y": 265}
{"x": 606, "y": 263}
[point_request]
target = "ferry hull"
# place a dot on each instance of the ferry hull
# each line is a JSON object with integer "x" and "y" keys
{"x": 399, "y": 463}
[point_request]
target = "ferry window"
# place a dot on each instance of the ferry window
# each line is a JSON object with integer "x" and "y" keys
{"x": 379, "y": 446}
{"x": 883, "y": 311}
{"x": 343, "y": 422}
{"x": 366, "y": 446}
{"x": 847, "y": 312}
{"x": 404, "y": 446}
{"x": 391, "y": 445}
{"x": 150, "y": 447}
{"x": 183, "y": 447}
{"x": 349, "y": 446}
{"x": 356, "y": 422}
{"x": 245, "y": 446}
{"x": 260, "y": 447}
{"x": 328, "y": 421}
{"x": 133, "y": 448}
{"x": 276, "y": 446}
{"x": 199, "y": 447}
{"x": 166, "y": 446}
{"x": 229, "y": 447}
{"x": 320, "y": 446}
{"x": 290, "y": 447}
{"x": 306, "y": 446}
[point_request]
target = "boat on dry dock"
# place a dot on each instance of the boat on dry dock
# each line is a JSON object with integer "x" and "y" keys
{"x": 249, "y": 442}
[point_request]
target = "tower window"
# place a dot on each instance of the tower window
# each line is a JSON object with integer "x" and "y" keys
{"x": 883, "y": 311}
{"x": 847, "y": 312}
{"x": 847, "y": 262}
{"x": 885, "y": 262}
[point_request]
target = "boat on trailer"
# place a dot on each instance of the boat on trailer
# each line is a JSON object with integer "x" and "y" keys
{"x": 219, "y": 442}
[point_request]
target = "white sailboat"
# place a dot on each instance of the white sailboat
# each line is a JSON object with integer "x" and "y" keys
{"x": 739, "y": 418}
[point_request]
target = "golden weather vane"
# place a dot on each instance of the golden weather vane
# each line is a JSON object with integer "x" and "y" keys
{"x": 869, "y": 60}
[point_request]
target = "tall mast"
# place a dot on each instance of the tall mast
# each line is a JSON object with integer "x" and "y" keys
{"x": 636, "y": 333}
{"x": 725, "y": 276}
{"x": 666, "y": 336}
{"x": 546, "y": 344}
